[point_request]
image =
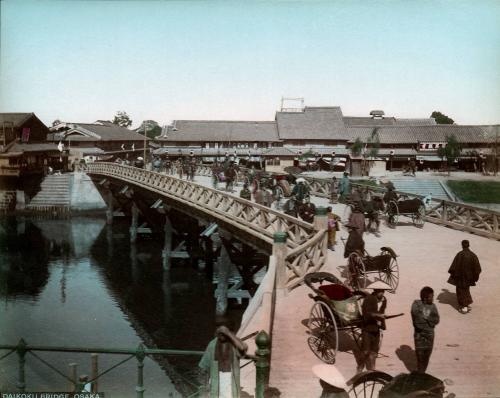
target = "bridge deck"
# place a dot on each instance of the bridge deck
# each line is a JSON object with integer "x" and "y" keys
{"x": 467, "y": 348}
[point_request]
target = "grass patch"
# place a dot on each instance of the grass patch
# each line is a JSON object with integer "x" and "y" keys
{"x": 476, "y": 191}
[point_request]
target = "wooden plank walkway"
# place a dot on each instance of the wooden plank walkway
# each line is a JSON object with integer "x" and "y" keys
{"x": 467, "y": 347}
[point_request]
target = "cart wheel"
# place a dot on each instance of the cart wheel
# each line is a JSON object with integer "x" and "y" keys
{"x": 356, "y": 271}
{"x": 392, "y": 213}
{"x": 368, "y": 384}
{"x": 324, "y": 335}
{"x": 418, "y": 217}
{"x": 391, "y": 274}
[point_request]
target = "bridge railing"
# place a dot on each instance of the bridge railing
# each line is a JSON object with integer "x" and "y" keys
{"x": 257, "y": 220}
{"x": 22, "y": 349}
{"x": 476, "y": 220}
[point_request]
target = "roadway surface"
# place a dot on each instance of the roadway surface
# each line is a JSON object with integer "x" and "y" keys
{"x": 467, "y": 347}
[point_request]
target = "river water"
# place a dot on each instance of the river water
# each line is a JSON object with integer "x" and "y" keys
{"x": 80, "y": 283}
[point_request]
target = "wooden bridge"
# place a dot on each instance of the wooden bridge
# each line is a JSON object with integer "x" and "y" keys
{"x": 280, "y": 304}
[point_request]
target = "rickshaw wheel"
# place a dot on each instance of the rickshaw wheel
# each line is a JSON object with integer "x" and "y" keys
{"x": 324, "y": 335}
{"x": 369, "y": 385}
{"x": 391, "y": 274}
{"x": 356, "y": 271}
{"x": 418, "y": 218}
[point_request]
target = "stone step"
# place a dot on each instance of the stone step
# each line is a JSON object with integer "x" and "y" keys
{"x": 54, "y": 191}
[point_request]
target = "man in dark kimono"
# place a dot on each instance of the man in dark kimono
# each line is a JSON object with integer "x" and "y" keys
{"x": 425, "y": 317}
{"x": 245, "y": 193}
{"x": 373, "y": 310}
{"x": 355, "y": 242}
{"x": 464, "y": 273}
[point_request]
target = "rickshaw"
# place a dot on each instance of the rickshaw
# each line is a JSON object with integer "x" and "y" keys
{"x": 336, "y": 308}
{"x": 383, "y": 267}
{"x": 413, "y": 208}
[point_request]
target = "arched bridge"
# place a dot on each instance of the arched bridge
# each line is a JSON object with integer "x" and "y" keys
{"x": 306, "y": 243}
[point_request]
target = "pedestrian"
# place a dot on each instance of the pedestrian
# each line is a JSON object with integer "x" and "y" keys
{"x": 333, "y": 227}
{"x": 464, "y": 273}
{"x": 245, "y": 192}
{"x": 307, "y": 210}
{"x": 373, "y": 310}
{"x": 221, "y": 362}
{"x": 300, "y": 191}
{"x": 344, "y": 187}
{"x": 425, "y": 317}
{"x": 355, "y": 242}
{"x": 334, "y": 188}
{"x": 357, "y": 218}
{"x": 332, "y": 382}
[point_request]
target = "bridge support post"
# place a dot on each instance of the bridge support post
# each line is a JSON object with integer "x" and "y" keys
{"x": 321, "y": 218}
{"x": 209, "y": 257}
{"x": 73, "y": 377}
{"x": 224, "y": 265}
{"x": 262, "y": 365}
{"x": 167, "y": 244}
{"x": 21, "y": 353}
{"x": 279, "y": 254}
{"x": 109, "y": 209}
{"x": 134, "y": 224}
{"x": 94, "y": 371}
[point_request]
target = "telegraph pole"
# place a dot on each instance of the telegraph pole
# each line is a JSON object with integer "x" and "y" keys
{"x": 145, "y": 136}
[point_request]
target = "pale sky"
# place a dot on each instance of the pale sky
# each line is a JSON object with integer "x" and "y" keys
{"x": 82, "y": 61}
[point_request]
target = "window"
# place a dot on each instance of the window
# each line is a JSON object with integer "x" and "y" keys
{"x": 273, "y": 161}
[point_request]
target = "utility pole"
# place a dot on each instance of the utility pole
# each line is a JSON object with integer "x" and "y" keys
{"x": 145, "y": 136}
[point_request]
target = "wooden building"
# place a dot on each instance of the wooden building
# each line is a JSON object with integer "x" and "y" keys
{"x": 24, "y": 149}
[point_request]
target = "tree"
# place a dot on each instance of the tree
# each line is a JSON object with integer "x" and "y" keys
{"x": 122, "y": 119}
{"x": 153, "y": 129}
{"x": 56, "y": 122}
{"x": 442, "y": 118}
{"x": 450, "y": 152}
{"x": 373, "y": 144}
{"x": 357, "y": 147}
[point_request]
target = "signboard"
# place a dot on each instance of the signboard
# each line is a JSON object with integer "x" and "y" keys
{"x": 430, "y": 146}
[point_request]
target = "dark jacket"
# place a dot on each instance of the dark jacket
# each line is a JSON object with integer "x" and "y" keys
{"x": 465, "y": 269}
{"x": 424, "y": 316}
{"x": 369, "y": 308}
{"x": 245, "y": 194}
{"x": 354, "y": 243}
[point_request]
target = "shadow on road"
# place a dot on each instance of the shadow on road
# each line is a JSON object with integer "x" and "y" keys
{"x": 407, "y": 355}
{"x": 447, "y": 297}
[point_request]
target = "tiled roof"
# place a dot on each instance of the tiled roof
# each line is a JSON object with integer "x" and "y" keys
{"x": 437, "y": 133}
{"x": 221, "y": 130}
{"x": 416, "y": 134}
{"x": 313, "y": 123}
{"x": 416, "y": 122}
{"x": 176, "y": 151}
{"x": 351, "y": 121}
{"x": 16, "y": 118}
{"x": 279, "y": 151}
{"x": 39, "y": 147}
{"x": 111, "y": 132}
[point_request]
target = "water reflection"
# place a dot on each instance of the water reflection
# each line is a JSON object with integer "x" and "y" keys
{"x": 23, "y": 271}
{"x": 88, "y": 286}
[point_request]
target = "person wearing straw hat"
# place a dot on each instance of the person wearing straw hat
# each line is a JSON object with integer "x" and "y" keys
{"x": 373, "y": 310}
{"x": 331, "y": 380}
